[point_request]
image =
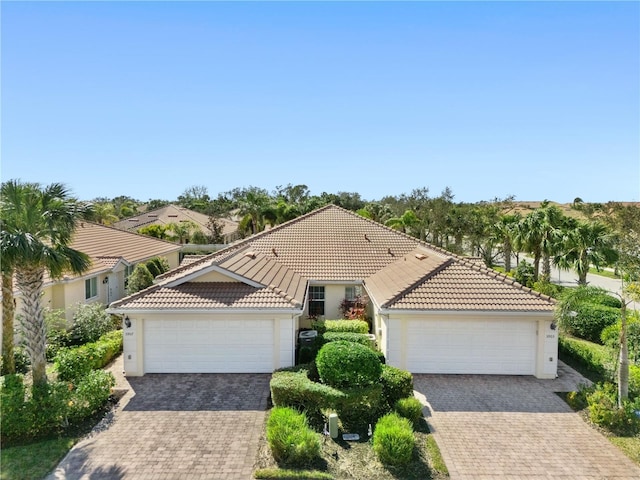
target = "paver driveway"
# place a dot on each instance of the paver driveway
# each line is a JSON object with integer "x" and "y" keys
{"x": 175, "y": 426}
{"x": 503, "y": 427}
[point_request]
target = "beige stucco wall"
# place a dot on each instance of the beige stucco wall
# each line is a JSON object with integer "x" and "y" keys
{"x": 334, "y": 294}
{"x": 284, "y": 328}
{"x": 214, "y": 277}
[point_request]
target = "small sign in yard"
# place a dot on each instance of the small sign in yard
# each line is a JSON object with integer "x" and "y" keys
{"x": 350, "y": 437}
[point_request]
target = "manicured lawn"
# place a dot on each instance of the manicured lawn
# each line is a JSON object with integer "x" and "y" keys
{"x": 357, "y": 461}
{"x": 34, "y": 461}
{"x": 603, "y": 273}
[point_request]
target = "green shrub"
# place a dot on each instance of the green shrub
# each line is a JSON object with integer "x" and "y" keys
{"x": 348, "y": 364}
{"x": 604, "y": 411}
{"x": 602, "y": 298}
{"x": 393, "y": 440}
{"x": 295, "y": 389}
{"x": 90, "y": 322}
{"x": 56, "y": 340}
{"x": 361, "y": 338}
{"x": 548, "y": 288}
{"x": 396, "y": 384}
{"x": 354, "y": 326}
{"x": 139, "y": 279}
{"x": 357, "y": 408}
{"x": 524, "y": 273}
{"x": 590, "y": 321}
{"x": 290, "y": 439}
{"x": 76, "y": 362}
{"x": 306, "y": 354}
{"x": 578, "y": 400}
{"x": 611, "y": 335}
{"x": 15, "y": 420}
{"x": 90, "y": 394}
{"x": 409, "y": 408}
{"x": 21, "y": 359}
{"x": 595, "y": 361}
{"x": 634, "y": 381}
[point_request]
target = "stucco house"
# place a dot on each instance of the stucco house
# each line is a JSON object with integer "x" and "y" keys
{"x": 240, "y": 309}
{"x": 113, "y": 255}
{"x": 175, "y": 214}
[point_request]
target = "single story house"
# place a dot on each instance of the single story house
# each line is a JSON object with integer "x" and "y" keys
{"x": 240, "y": 309}
{"x": 175, "y": 214}
{"x": 113, "y": 254}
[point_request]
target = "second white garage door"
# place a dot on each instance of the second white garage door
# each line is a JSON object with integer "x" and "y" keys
{"x": 471, "y": 346}
{"x": 208, "y": 346}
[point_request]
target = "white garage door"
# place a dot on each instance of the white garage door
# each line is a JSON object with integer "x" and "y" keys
{"x": 208, "y": 346}
{"x": 471, "y": 346}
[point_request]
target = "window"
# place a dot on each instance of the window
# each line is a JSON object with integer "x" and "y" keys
{"x": 90, "y": 288}
{"x": 316, "y": 301}
{"x": 353, "y": 292}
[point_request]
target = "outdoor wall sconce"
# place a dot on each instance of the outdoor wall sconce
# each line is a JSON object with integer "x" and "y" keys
{"x": 553, "y": 325}
{"x": 127, "y": 322}
{"x": 106, "y": 280}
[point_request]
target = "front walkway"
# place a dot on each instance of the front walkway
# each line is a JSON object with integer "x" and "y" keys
{"x": 175, "y": 426}
{"x": 516, "y": 428}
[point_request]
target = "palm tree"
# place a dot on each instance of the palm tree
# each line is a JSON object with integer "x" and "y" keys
{"x": 8, "y": 313}
{"x": 505, "y": 231}
{"x": 37, "y": 228}
{"x": 252, "y": 207}
{"x": 406, "y": 223}
{"x": 586, "y": 244}
{"x": 104, "y": 213}
{"x": 182, "y": 231}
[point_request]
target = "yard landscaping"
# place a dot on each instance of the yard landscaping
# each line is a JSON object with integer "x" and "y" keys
{"x": 372, "y": 400}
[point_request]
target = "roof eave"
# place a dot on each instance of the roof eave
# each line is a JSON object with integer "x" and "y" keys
{"x": 147, "y": 311}
{"x": 511, "y": 313}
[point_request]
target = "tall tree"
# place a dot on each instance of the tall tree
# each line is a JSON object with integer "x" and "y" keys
{"x": 252, "y": 206}
{"x": 505, "y": 230}
{"x": 8, "y": 315}
{"x": 586, "y": 243}
{"x": 37, "y": 227}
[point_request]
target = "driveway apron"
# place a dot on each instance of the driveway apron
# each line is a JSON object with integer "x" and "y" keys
{"x": 176, "y": 426}
{"x": 511, "y": 427}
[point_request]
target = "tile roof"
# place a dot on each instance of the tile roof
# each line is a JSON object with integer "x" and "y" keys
{"x": 174, "y": 214}
{"x": 334, "y": 244}
{"x": 210, "y": 295}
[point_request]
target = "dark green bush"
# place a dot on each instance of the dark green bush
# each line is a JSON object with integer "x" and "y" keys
{"x": 590, "y": 321}
{"x": 358, "y": 408}
{"x": 73, "y": 363}
{"x": 90, "y": 322}
{"x": 347, "y": 364}
{"x": 290, "y": 439}
{"x": 306, "y": 354}
{"x": 524, "y": 273}
{"x": 396, "y": 384}
{"x": 295, "y": 389}
{"x": 15, "y": 419}
{"x": 409, "y": 408}
{"x": 604, "y": 411}
{"x": 393, "y": 440}
{"x": 139, "y": 279}
{"x": 354, "y": 326}
{"x": 548, "y": 288}
{"x": 595, "y": 361}
{"x": 90, "y": 394}
{"x": 21, "y": 359}
{"x": 603, "y": 298}
{"x": 56, "y": 340}
{"x": 361, "y": 338}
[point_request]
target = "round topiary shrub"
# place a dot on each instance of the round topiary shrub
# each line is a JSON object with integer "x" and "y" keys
{"x": 347, "y": 364}
{"x": 409, "y": 408}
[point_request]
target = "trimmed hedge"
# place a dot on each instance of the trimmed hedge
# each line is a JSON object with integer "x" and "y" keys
{"x": 393, "y": 440}
{"x": 347, "y": 364}
{"x": 354, "y": 326}
{"x": 73, "y": 363}
{"x": 396, "y": 384}
{"x": 595, "y": 361}
{"x": 590, "y": 321}
{"x": 359, "y": 407}
{"x": 295, "y": 389}
{"x": 360, "y": 338}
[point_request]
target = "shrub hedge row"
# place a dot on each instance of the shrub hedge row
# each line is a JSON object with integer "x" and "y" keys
{"x": 595, "y": 361}
{"x": 396, "y": 384}
{"x": 590, "y": 321}
{"x": 31, "y": 413}
{"x": 354, "y": 326}
{"x": 76, "y": 362}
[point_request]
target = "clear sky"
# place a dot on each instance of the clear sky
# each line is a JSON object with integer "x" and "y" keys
{"x": 539, "y": 100}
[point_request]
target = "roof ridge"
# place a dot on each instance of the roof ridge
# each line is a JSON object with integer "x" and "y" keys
{"x": 284, "y": 295}
{"x": 81, "y": 222}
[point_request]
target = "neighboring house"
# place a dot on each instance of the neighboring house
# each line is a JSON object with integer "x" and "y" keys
{"x": 240, "y": 309}
{"x": 113, "y": 255}
{"x": 174, "y": 214}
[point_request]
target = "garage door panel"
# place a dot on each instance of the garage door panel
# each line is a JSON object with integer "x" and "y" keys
{"x": 490, "y": 346}
{"x": 208, "y": 346}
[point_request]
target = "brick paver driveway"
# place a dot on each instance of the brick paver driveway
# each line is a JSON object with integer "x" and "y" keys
{"x": 176, "y": 426}
{"x": 502, "y": 427}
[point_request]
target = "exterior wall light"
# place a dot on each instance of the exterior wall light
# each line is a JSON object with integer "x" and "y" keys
{"x": 127, "y": 322}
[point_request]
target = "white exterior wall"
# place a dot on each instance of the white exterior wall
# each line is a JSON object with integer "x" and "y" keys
{"x": 395, "y": 332}
{"x": 283, "y": 352}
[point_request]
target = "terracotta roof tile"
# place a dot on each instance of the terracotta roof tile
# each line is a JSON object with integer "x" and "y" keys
{"x": 210, "y": 295}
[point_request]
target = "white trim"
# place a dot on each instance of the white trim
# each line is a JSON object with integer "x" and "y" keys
{"x": 493, "y": 313}
{"x": 209, "y": 269}
{"x": 335, "y": 282}
{"x": 184, "y": 311}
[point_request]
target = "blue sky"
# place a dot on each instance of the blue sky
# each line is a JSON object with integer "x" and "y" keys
{"x": 537, "y": 100}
